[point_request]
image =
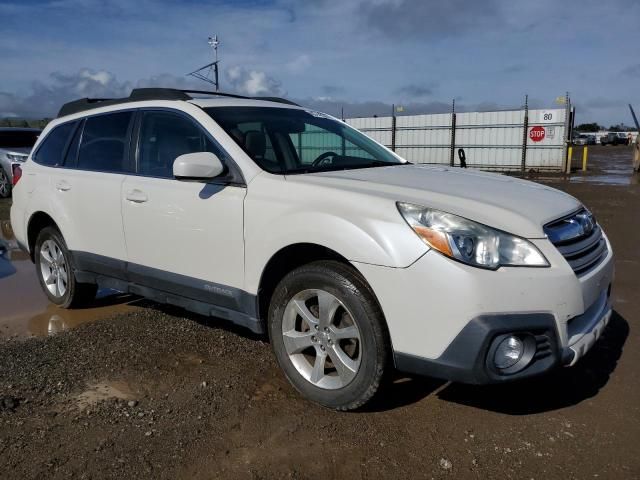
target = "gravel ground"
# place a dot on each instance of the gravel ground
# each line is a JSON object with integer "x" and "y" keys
{"x": 159, "y": 393}
{"x": 5, "y": 205}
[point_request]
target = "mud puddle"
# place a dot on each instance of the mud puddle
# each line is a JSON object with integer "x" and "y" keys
{"x": 24, "y": 308}
{"x": 101, "y": 391}
{"x": 608, "y": 166}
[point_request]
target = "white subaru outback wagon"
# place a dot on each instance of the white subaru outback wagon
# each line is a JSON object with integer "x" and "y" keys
{"x": 288, "y": 221}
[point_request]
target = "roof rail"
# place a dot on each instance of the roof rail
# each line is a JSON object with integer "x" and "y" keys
{"x": 235, "y": 95}
{"x": 277, "y": 100}
{"x": 142, "y": 94}
{"x": 220, "y": 94}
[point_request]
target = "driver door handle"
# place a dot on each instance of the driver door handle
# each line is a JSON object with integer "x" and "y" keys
{"x": 63, "y": 186}
{"x": 136, "y": 196}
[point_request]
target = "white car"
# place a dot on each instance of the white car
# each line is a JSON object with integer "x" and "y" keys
{"x": 15, "y": 144}
{"x": 288, "y": 221}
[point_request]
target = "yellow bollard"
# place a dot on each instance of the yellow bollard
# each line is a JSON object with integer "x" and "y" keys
{"x": 570, "y": 155}
{"x": 584, "y": 158}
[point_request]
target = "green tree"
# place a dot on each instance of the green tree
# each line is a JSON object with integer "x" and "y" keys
{"x": 589, "y": 127}
{"x": 621, "y": 127}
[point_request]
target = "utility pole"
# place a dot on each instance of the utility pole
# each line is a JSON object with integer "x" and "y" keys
{"x": 393, "y": 128}
{"x": 567, "y": 132}
{"x": 525, "y": 135}
{"x": 453, "y": 133}
{"x": 210, "y": 69}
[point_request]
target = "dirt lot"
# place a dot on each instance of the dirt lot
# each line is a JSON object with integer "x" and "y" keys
{"x": 157, "y": 393}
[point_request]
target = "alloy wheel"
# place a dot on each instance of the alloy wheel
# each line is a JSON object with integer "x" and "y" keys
{"x": 53, "y": 268}
{"x": 5, "y": 185}
{"x": 322, "y": 339}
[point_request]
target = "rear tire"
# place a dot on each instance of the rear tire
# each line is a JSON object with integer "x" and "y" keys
{"x": 5, "y": 184}
{"x": 56, "y": 271}
{"x": 329, "y": 335}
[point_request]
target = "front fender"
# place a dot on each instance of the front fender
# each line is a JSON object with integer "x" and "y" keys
{"x": 359, "y": 228}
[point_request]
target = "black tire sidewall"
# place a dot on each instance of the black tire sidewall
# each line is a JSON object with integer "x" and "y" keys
{"x": 50, "y": 233}
{"x": 345, "y": 284}
{"x": 6, "y": 178}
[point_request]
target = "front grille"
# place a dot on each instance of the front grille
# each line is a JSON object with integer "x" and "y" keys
{"x": 579, "y": 239}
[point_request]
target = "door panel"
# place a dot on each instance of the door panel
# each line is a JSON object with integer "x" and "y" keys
{"x": 93, "y": 184}
{"x": 182, "y": 237}
{"x": 188, "y": 228}
{"x": 86, "y": 202}
{"x": 93, "y": 203}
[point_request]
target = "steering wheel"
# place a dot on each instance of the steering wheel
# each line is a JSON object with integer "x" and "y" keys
{"x": 322, "y": 157}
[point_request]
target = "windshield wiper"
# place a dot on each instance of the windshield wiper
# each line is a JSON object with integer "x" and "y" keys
{"x": 335, "y": 168}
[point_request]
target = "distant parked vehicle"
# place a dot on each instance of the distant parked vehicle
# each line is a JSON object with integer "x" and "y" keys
{"x": 580, "y": 139}
{"x": 15, "y": 145}
{"x": 614, "y": 138}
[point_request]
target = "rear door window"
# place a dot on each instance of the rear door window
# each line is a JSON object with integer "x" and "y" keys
{"x": 53, "y": 147}
{"x": 105, "y": 143}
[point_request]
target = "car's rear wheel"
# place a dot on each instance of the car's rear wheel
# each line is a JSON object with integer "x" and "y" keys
{"x": 55, "y": 268}
{"x": 5, "y": 184}
{"x": 329, "y": 335}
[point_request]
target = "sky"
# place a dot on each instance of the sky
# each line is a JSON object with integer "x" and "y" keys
{"x": 358, "y": 55}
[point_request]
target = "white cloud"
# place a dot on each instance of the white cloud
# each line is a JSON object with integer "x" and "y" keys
{"x": 45, "y": 98}
{"x": 253, "y": 82}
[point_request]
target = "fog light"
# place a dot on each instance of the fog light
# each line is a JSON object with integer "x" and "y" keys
{"x": 508, "y": 353}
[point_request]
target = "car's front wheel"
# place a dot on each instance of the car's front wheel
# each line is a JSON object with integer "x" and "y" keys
{"x": 329, "y": 335}
{"x": 55, "y": 268}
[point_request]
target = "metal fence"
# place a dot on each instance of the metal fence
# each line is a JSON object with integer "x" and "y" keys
{"x": 514, "y": 140}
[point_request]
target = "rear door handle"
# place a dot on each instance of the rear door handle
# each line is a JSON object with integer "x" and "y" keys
{"x": 63, "y": 186}
{"x": 136, "y": 196}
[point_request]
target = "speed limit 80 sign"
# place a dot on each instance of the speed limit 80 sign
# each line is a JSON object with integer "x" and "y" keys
{"x": 547, "y": 116}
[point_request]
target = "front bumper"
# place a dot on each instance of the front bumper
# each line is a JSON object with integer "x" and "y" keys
{"x": 469, "y": 357}
{"x": 444, "y": 317}
{"x": 583, "y": 331}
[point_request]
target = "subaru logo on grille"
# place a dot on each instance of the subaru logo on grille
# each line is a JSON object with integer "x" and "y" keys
{"x": 584, "y": 222}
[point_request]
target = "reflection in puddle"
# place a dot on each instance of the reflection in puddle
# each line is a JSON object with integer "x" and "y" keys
{"x": 606, "y": 166}
{"x": 25, "y": 309}
{"x": 54, "y": 319}
{"x": 611, "y": 179}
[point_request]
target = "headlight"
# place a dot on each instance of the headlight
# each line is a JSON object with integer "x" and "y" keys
{"x": 17, "y": 158}
{"x": 470, "y": 242}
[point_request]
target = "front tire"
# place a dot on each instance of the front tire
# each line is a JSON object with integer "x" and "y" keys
{"x": 329, "y": 335}
{"x": 56, "y": 271}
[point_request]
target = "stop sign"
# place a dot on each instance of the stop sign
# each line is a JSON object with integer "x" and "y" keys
{"x": 536, "y": 134}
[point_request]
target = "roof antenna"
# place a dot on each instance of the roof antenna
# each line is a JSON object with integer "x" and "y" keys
{"x": 204, "y": 73}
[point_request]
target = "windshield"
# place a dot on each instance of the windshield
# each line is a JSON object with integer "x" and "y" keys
{"x": 288, "y": 141}
{"x": 18, "y": 138}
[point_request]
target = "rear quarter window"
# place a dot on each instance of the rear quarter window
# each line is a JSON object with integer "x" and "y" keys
{"x": 51, "y": 151}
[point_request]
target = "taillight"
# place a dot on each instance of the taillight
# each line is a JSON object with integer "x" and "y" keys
{"x": 17, "y": 174}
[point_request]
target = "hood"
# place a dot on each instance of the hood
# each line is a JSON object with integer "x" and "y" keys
{"x": 516, "y": 206}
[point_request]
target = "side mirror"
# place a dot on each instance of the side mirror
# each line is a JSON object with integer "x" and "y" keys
{"x": 197, "y": 166}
